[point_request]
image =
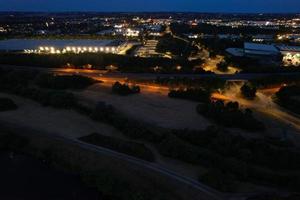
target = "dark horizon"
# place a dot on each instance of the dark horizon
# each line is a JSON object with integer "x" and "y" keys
{"x": 212, "y": 6}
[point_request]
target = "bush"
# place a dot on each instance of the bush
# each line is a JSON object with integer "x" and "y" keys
{"x": 60, "y": 82}
{"x": 199, "y": 95}
{"x": 207, "y": 83}
{"x": 222, "y": 66}
{"x": 172, "y": 146}
{"x": 248, "y": 91}
{"x": 229, "y": 115}
{"x": 18, "y": 82}
{"x": 124, "y": 89}
{"x": 58, "y": 99}
{"x": 131, "y": 148}
{"x": 7, "y": 104}
{"x": 253, "y": 160}
{"x": 288, "y": 97}
{"x": 271, "y": 153}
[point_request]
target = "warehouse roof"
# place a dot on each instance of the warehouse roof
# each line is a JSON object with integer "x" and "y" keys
{"x": 289, "y": 48}
{"x": 260, "y": 47}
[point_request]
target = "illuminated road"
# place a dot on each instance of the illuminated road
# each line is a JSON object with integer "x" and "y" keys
{"x": 110, "y": 78}
{"x": 146, "y": 76}
{"x": 262, "y": 104}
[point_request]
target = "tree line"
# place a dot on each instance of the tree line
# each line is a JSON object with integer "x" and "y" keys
{"x": 102, "y": 61}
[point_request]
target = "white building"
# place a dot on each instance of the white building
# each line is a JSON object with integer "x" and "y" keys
{"x": 62, "y": 46}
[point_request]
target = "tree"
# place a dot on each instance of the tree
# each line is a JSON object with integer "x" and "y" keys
{"x": 222, "y": 66}
{"x": 248, "y": 91}
{"x": 124, "y": 89}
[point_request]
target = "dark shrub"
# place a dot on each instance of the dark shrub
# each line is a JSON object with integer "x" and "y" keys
{"x": 59, "y": 82}
{"x": 199, "y": 94}
{"x": 230, "y": 115}
{"x": 124, "y": 89}
{"x": 248, "y": 91}
{"x": 222, "y": 66}
{"x": 288, "y": 97}
{"x": 176, "y": 148}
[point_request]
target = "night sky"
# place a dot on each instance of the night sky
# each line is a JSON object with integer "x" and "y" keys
{"x": 282, "y": 6}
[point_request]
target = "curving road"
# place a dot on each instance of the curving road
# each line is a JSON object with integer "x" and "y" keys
{"x": 263, "y": 104}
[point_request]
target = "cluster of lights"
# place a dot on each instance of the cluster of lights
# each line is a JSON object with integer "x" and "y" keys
{"x": 2, "y": 30}
{"x": 53, "y": 50}
{"x": 132, "y": 33}
{"x": 292, "y": 58}
{"x": 282, "y": 37}
{"x": 295, "y": 37}
{"x": 155, "y": 34}
{"x": 258, "y": 40}
{"x": 30, "y": 51}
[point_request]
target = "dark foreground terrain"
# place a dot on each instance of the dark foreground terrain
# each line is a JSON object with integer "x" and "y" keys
{"x": 23, "y": 177}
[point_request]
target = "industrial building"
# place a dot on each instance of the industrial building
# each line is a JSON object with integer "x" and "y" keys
{"x": 62, "y": 46}
{"x": 266, "y": 54}
{"x": 291, "y": 55}
{"x": 255, "y": 50}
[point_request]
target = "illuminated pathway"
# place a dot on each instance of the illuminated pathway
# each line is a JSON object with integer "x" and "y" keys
{"x": 263, "y": 104}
